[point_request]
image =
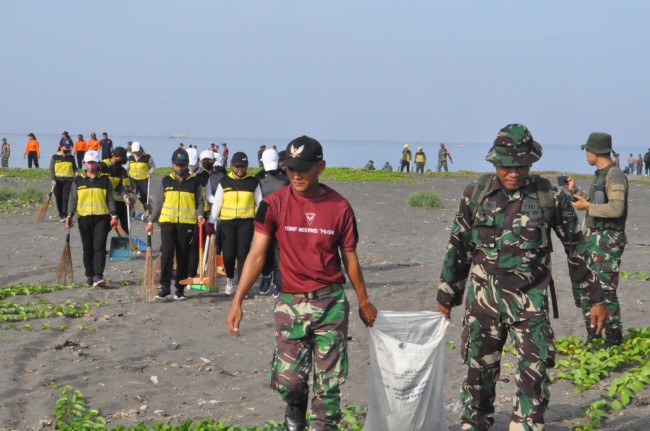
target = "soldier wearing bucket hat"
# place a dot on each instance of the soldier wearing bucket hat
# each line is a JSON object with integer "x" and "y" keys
{"x": 606, "y": 206}
{"x": 500, "y": 241}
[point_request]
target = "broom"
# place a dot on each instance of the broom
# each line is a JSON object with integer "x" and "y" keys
{"x": 148, "y": 280}
{"x": 40, "y": 215}
{"x": 211, "y": 269}
{"x": 64, "y": 274}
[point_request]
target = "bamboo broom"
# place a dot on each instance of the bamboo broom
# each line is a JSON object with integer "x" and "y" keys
{"x": 64, "y": 274}
{"x": 211, "y": 269}
{"x": 40, "y": 215}
{"x": 148, "y": 280}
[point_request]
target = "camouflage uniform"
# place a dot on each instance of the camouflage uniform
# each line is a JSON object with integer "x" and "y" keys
{"x": 442, "y": 158}
{"x": 6, "y": 152}
{"x": 605, "y": 237}
{"x": 306, "y": 331}
{"x": 507, "y": 247}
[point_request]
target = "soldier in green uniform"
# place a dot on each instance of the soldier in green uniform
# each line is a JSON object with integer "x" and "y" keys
{"x": 442, "y": 158}
{"x": 502, "y": 234}
{"x": 606, "y": 206}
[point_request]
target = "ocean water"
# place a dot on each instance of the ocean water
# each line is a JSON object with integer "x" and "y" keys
{"x": 337, "y": 153}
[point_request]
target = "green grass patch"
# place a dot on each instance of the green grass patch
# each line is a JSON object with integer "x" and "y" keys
{"x": 424, "y": 199}
{"x": 13, "y": 201}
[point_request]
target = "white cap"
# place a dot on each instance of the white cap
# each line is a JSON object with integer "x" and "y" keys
{"x": 91, "y": 156}
{"x": 207, "y": 154}
{"x": 270, "y": 159}
{"x": 135, "y": 147}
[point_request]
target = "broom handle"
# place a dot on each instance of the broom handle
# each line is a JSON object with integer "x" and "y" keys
{"x": 148, "y": 197}
{"x": 201, "y": 250}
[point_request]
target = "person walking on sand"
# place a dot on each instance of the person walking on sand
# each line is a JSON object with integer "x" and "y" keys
{"x": 443, "y": 154}
{"x": 224, "y": 155}
{"x": 32, "y": 151}
{"x": 91, "y": 198}
{"x": 272, "y": 179}
{"x": 607, "y": 209}
{"x": 141, "y": 167}
{"x": 106, "y": 145}
{"x": 5, "y": 152}
{"x": 80, "y": 148}
{"x": 639, "y": 165}
{"x": 420, "y": 160}
{"x": 405, "y": 159}
{"x": 501, "y": 241}
{"x": 63, "y": 170}
{"x": 316, "y": 231}
{"x": 202, "y": 175}
{"x": 234, "y": 203}
{"x": 113, "y": 167}
{"x": 93, "y": 143}
{"x": 646, "y": 162}
{"x": 177, "y": 208}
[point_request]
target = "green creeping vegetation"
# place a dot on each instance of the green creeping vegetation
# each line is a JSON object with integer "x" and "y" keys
{"x": 12, "y": 201}
{"x": 586, "y": 366}
{"x": 425, "y": 199}
{"x": 635, "y": 275}
{"x": 11, "y": 312}
{"x": 24, "y": 173}
{"x": 72, "y": 414}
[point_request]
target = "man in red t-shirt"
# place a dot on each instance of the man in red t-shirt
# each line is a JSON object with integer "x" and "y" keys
{"x": 311, "y": 223}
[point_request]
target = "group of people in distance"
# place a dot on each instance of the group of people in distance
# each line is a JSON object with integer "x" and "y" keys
{"x": 301, "y": 235}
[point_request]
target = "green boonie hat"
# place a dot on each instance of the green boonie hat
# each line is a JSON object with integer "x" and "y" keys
{"x": 598, "y": 143}
{"x": 514, "y": 146}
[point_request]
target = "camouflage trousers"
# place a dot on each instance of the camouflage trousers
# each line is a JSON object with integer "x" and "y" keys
{"x": 312, "y": 334}
{"x": 482, "y": 343}
{"x": 605, "y": 248}
{"x": 442, "y": 164}
{"x": 5, "y": 161}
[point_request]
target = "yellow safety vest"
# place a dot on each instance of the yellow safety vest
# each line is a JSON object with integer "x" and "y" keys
{"x": 419, "y": 157}
{"x": 63, "y": 166}
{"x": 238, "y": 197}
{"x": 179, "y": 205}
{"x": 91, "y": 196}
{"x": 108, "y": 170}
{"x": 139, "y": 169}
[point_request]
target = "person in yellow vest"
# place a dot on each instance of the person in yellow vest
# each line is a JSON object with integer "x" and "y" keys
{"x": 234, "y": 203}
{"x": 91, "y": 198}
{"x": 63, "y": 169}
{"x": 177, "y": 208}
{"x": 405, "y": 159}
{"x": 141, "y": 168}
{"x": 420, "y": 161}
{"x": 114, "y": 169}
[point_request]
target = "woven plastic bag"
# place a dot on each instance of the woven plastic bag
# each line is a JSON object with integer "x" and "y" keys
{"x": 407, "y": 372}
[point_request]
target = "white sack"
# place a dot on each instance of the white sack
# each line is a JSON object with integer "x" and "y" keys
{"x": 407, "y": 372}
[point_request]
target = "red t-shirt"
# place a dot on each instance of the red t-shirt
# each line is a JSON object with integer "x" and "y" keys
{"x": 310, "y": 233}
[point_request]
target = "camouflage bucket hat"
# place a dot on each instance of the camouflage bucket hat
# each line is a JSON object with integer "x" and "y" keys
{"x": 514, "y": 146}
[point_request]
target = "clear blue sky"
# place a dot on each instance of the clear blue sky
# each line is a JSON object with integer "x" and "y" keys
{"x": 369, "y": 70}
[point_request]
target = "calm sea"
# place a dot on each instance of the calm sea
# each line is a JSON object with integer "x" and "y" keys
{"x": 338, "y": 153}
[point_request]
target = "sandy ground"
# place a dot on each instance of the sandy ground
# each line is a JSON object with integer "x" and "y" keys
{"x": 116, "y": 352}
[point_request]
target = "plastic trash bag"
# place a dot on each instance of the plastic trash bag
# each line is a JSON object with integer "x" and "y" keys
{"x": 407, "y": 372}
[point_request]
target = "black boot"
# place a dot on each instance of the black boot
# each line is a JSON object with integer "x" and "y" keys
{"x": 613, "y": 337}
{"x": 591, "y": 335}
{"x": 295, "y": 417}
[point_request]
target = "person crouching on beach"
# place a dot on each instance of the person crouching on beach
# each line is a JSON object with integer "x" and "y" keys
{"x": 316, "y": 231}
{"x": 91, "y": 198}
{"x": 177, "y": 208}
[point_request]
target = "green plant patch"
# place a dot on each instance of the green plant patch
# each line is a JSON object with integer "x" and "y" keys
{"x": 424, "y": 199}
{"x": 71, "y": 413}
{"x": 14, "y": 201}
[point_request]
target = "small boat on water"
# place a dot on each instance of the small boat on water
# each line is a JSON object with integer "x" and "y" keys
{"x": 173, "y": 135}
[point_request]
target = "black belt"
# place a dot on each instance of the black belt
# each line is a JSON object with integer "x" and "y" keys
{"x": 320, "y": 292}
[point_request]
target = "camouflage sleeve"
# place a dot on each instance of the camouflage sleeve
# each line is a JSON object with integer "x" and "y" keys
{"x": 458, "y": 258}
{"x": 567, "y": 229}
